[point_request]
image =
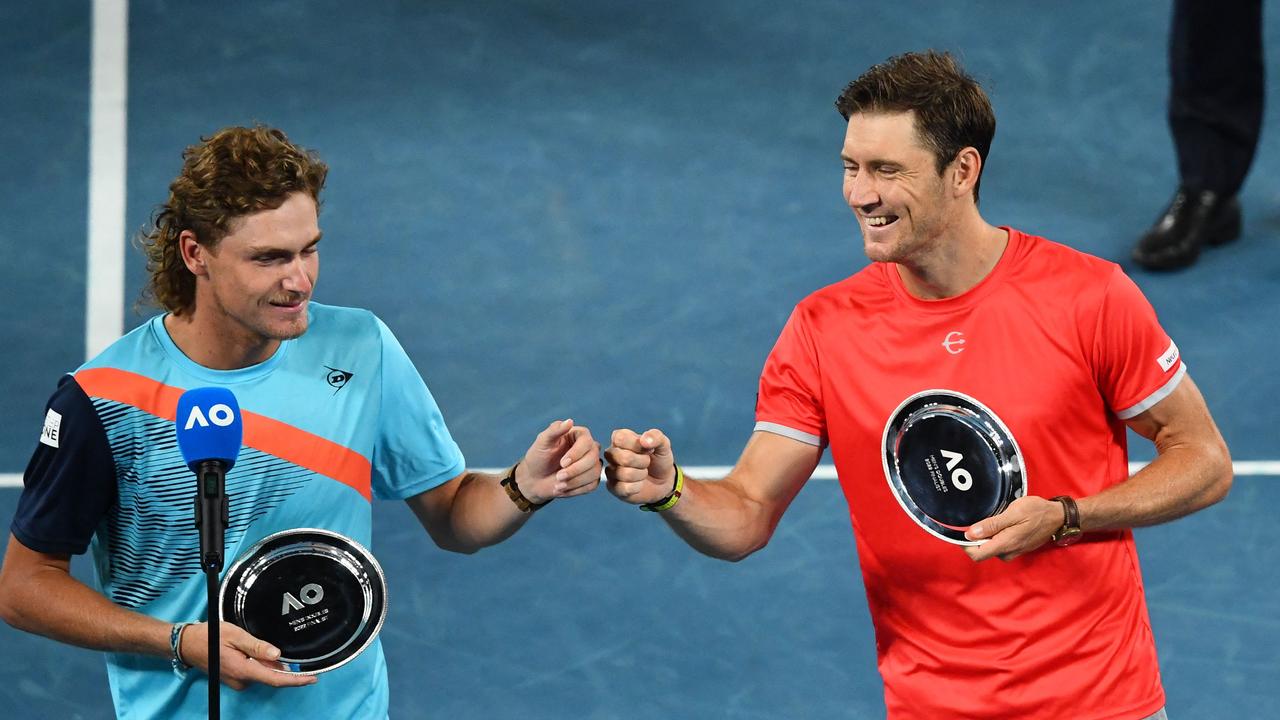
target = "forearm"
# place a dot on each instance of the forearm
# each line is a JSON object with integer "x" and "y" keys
{"x": 482, "y": 514}
{"x": 727, "y": 519}
{"x": 474, "y": 510}
{"x": 717, "y": 519}
{"x": 52, "y": 603}
{"x": 1180, "y": 481}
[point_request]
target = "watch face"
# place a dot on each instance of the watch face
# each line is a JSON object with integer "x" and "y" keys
{"x": 318, "y": 596}
{"x": 950, "y": 462}
{"x": 1067, "y": 536}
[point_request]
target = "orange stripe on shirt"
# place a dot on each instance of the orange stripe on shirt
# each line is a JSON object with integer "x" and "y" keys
{"x": 262, "y": 433}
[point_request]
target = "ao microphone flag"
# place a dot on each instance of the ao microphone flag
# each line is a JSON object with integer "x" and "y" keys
{"x": 209, "y": 435}
{"x": 209, "y": 426}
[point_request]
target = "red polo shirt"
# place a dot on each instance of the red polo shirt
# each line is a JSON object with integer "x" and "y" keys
{"x": 1061, "y": 346}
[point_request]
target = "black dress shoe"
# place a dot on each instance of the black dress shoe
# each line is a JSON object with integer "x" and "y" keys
{"x": 1194, "y": 218}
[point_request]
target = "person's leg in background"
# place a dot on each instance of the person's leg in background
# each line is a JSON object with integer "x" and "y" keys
{"x": 1215, "y": 116}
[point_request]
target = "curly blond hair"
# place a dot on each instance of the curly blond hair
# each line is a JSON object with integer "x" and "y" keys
{"x": 232, "y": 173}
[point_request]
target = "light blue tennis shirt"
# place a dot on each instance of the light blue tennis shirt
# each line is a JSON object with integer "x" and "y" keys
{"x": 332, "y": 419}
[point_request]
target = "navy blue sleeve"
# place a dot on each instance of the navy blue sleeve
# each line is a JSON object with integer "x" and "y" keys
{"x": 70, "y": 483}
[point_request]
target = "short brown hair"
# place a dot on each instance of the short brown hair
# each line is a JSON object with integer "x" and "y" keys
{"x": 235, "y": 172}
{"x": 951, "y": 110}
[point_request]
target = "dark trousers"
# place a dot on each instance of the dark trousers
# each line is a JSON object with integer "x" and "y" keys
{"x": 1215, "y": 101}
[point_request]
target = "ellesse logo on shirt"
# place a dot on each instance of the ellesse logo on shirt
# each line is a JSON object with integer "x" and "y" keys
{"x": 1169, "y": 357}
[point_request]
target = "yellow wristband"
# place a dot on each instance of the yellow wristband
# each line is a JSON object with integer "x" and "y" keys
{"x": 669, "y": 501}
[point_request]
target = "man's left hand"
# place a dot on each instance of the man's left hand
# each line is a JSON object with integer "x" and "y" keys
{"x": 1025, "y": 525}
{"x": 563, "y": 461}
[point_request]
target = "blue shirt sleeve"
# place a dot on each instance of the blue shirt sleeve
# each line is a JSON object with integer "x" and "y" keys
{"x": 414, "y": 451}
{"x": 70, "y": 483}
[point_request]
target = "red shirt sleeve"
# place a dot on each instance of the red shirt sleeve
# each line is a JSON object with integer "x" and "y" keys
{"x": 1136, "y": 364}
{"x": 790, "y": 398}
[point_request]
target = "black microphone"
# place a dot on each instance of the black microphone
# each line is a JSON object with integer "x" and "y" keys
{"x": 209, "y": 436}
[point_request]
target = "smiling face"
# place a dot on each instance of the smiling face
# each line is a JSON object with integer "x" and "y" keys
{"x": 255, "y": 284}
{"x": 892, "y": 185}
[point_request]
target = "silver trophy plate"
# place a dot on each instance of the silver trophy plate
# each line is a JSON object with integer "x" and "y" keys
{"x": 950, "y": 462}
{"x": 319, "y": 596}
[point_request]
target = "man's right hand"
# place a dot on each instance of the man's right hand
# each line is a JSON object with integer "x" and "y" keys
{"x": 243, "y": 659}
{"x": 640, "y": 469}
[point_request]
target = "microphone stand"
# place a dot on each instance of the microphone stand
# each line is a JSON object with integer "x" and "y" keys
{"x": 212, "y": 516}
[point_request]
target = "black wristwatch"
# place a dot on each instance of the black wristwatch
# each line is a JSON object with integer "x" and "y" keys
{"x": 1070, "y": 531}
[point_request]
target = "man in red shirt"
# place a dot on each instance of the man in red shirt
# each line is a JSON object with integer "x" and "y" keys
{"x": 1059, "y": 348}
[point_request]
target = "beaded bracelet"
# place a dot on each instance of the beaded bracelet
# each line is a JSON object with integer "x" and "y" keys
{"x": 180, "y": 666}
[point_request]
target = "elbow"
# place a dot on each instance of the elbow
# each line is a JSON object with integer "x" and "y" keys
{"x": 1214, "y": 476}
{"x": 458, "y": 541}
{"x": 449, "y": 543}
{"x": 470, "y": 543}
{"x": 757, "y": 535}
{"x": 744, "y": 551}
{"x": 10, "y": 612}
{"x": 1219, "y": 491}
{"x": 1222, "y": 474}
{"x": 461, "y": 549}
{"x": 456, "y": 545}
{"x": 738, "y": 557}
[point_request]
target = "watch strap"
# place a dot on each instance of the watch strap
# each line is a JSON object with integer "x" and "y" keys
{"x": 1070, "y": 530}
{"x": 513, "y": 491}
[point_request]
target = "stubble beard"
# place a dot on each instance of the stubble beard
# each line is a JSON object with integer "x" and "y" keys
{"x": 262, "y": 327}
{"x": 292, "y": 331}
{"x": 899, "y": 250}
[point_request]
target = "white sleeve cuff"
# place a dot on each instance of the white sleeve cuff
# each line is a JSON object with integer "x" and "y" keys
{"x": 1155, "y": 397}
{"x": 784, "y": 431}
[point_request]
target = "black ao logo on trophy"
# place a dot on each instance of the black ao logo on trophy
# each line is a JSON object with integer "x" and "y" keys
{"x": 950, "y": 462}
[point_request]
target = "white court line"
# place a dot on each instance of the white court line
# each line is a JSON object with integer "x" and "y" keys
{"x": 1258, "y": 468}
{"x": 828, "y": 472}
{"x": 108, "y": 132}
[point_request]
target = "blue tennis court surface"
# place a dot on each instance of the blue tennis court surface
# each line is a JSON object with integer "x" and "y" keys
{"x": 606, "y": 210}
